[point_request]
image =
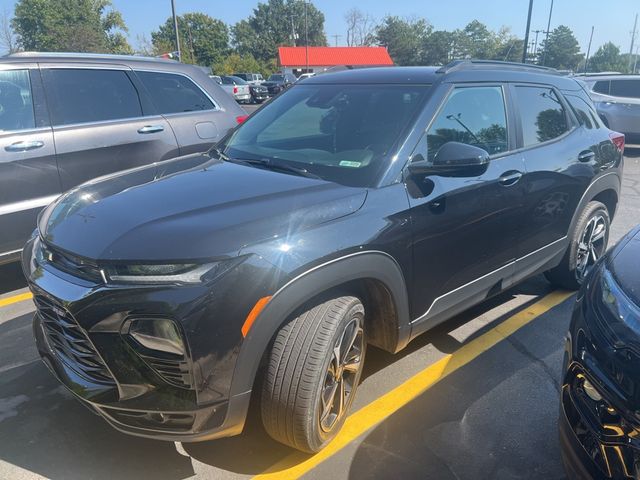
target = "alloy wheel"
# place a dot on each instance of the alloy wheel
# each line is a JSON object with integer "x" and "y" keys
{"x": 592, "y": 245}
{"x": 342, "y": 375}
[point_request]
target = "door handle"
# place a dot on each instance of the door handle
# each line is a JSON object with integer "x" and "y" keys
{"x": 586, "y": 155}
{"x": 24, "y": 146}
{"x": 510, "y": 178}
{"x": 151, "y": 129}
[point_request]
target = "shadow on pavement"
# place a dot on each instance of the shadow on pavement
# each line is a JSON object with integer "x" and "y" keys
{"x": 494, "y": 418}
{"x": 11, "y": 277}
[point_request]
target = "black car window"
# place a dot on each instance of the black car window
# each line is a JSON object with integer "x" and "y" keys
{"x": 585, "y": 112}
{"x": 601, "y": 86}
{"x": 16, "y": 104}
{"x": 174, "y": 93}
{"x": 472, "y": 115}
{"x": 236, "y": 80}
{"x": 90, "y": 95}
{"x": 342, "y": 133}
{"x": 542, "y": 115}
{"x": 625, "y": 88}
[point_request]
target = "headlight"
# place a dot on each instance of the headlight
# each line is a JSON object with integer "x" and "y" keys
{"x": 619, "y": 305}
{"x": 169, "y": 273}
{"x": 159, "y": 334}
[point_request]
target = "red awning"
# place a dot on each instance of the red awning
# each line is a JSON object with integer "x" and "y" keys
{"x": 332, "y": 56}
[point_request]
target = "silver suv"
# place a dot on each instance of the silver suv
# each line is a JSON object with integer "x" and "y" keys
{"x": 617, "y": 99}
{"x": 68, "y": 118}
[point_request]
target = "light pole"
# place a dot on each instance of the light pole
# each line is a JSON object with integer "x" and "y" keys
{"x": 175, "y": 28}
{"x": 306, "y": 37}
{"x": 546, "y": 38}
{"x": 526, "y": 35}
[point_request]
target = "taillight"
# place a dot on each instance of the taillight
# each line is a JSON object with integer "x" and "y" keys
{"x": 618, "y": 140}
{"x": 235, "y": 89}
{"x": 241, "y": 118}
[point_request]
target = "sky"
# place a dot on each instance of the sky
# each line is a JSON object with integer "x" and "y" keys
{"x": 613, "y": 19}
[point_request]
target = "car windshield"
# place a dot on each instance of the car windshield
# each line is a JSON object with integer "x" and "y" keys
{"x": 341, "y": 133}
{"x": 276, "y": 78}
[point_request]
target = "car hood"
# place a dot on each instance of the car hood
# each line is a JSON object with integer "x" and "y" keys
{"x": 213, "y": 209}
{"x": 624, "y": 263}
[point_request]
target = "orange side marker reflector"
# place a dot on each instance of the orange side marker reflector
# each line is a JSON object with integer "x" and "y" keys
{"x": 253, "y": 314}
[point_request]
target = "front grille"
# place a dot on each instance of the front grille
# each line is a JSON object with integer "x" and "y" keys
{"x": 174, "y": 371}
{"x": 70, "y": 342}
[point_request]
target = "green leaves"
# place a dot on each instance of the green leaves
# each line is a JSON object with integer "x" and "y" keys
{"x": 608, "y": 59}
{"x": 562, "y": 50}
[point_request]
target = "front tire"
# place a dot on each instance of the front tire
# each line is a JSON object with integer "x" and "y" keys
{"x": 312, "y": 374}
{"x": 588, "y": 242}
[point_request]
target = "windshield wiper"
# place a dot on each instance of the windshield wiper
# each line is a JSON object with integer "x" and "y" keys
{"x": 271, "y": 164}
{"x": 220, "y": 154}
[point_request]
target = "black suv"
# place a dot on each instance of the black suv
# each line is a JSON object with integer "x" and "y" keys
{"x": 361, "y": 207}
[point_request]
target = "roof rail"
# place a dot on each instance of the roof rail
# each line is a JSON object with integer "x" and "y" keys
{"x": 105, "y": 56}
{"x": 460, "y": 64}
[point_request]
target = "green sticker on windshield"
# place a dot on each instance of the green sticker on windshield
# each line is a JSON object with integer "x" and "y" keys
{"x": 347, "y": 163}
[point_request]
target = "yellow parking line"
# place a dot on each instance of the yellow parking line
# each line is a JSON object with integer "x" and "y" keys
{"x": 297, "y": 464}
{"x": 15, "y": 299}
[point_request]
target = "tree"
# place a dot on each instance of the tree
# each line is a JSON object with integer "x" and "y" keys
{"x": 203, "y": 40}
{"x": 509, "y": 47}
{"x": 360, "y": 27}
{"x": 437, "y": 48}
{"x": 562, "y": 50}
{"x": 405, "y": 39}
{"x": 234, "y": 63}
{"x": 608, "y": 59}
{"x": 8, "y": 41}
{"x": 276, "y": 23}
{"x": 70, "y": 25}
{"x": 476, "y": 41}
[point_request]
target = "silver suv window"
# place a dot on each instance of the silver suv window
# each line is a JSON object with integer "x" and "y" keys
{"x": 173, "y": 93}
{"x": 90, "y": 95}
{"x": 625, "y": 88}
{"x": 16, "y": 104}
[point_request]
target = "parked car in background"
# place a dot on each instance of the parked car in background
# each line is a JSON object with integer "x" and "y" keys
{"x": 237, "y": 88}
{"x": 600, "y": 399}
{"x": 365, "y": 206}
{"x": 617, "y": 100}
{"x": 259, "y": 93}
{"x": 216, "y": 78}
{"x": 68, "y": 118}
{"x": 304, "y": 76}
{"x": 279, "y": 82}
{"x": 250, "y": 78}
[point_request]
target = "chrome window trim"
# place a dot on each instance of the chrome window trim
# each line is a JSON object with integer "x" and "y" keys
{"x": 30, "y": 204}
{"x": 23, "y": 131}
{"x": 215, "y": 108}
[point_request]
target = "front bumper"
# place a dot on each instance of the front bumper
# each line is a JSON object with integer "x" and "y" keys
{"x": 599, "y": 438}
{"x": 129, "y": 391}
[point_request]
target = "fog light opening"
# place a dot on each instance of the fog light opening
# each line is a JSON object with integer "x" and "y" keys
{"x": 591, "y": 391}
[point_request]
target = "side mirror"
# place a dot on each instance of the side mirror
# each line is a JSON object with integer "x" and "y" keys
{"x": 452, "y": 157}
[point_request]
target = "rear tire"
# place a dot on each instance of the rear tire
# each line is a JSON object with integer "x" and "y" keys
{"x": 588, "y": 242}
{"x": 312, "y": 374}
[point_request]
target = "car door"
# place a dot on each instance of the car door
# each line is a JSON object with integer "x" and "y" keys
{"x": 28, "y": 172}
{"x": 561, "y": 159}
{"x": 196, "y": 119}
{"x": 100, "y": 123}
{"x": 465, "y": 223}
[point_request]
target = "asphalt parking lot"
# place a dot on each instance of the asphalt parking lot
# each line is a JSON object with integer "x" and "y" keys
{"x": 475, "y": 398}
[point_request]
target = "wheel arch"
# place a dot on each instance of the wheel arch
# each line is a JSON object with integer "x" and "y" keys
{"x": 604, "y": 189}
{"x": 374, "y": 276}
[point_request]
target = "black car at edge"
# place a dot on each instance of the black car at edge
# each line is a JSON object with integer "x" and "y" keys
{"x": 600, "y": 400}
{"x": 359, "y": 207}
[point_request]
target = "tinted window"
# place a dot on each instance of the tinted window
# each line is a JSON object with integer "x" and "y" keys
{"x": 342, "y": 133}
{"x": 236, "y": 80}
{"x": 174, "y": 93}
{"x": 276, "y": 78}
{"x": 472, "y": 115}
{"x": 625, "y": 88}
{"x": 585, "y": 112}
{"x": 16, "y": 104}
{"x": 80, "y": 96}
{"x": 542, "y": 115}
{"x": 601, "y": 87}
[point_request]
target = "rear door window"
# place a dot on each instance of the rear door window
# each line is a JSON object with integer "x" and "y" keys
{"x": 90, "y": 95}
{"x": 472, "y": 115}
{"x": 16, "y": 103}
{"x": 542, "y": 114}
{"x": 172, "y": 93}
{"x": 625, "y": 88}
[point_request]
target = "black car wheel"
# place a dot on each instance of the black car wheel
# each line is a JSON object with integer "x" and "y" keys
{"x": 588, "y": 243}
{"x": 313, "y": 372}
